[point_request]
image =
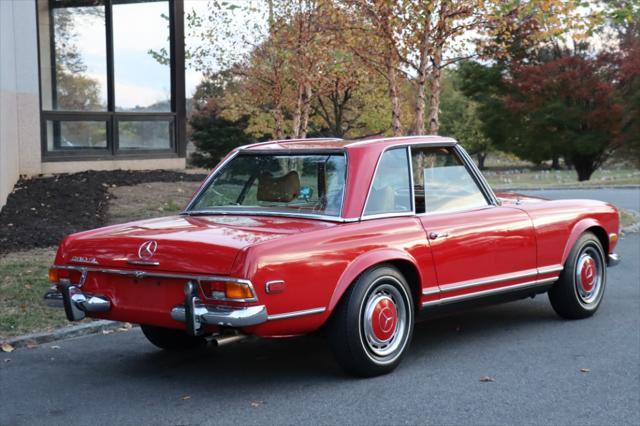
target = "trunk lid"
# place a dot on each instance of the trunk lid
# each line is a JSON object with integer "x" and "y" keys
{"x": 187, "y": 244}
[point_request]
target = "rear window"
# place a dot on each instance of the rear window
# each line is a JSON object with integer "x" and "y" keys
{"x": 271, "y": 183}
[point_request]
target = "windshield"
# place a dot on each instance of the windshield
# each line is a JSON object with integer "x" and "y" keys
{"x": 275, "y": 183}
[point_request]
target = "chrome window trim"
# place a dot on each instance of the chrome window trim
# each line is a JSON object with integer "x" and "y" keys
{"x": 338, "y": 218}
{"x": 153, "y": 274}
{"x": 489, "y": 292}
{"x": 412, "y": 189}
{"x": 294, "y": 314}
{"x": 213, "y": 174}
{"x": 270, "y": 214}
{"x": 439, "y": 139}
{"x": 277, "y": 141}
{"x": 373, "y": 178}
{"x": 477, "y": 175}
{"x": 384, "y": 216}
{"x": 463, "y": 210}
{"x": 469, "y": 166}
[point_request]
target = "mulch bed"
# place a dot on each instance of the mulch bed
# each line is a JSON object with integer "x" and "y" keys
{"x": 41, "y": 211}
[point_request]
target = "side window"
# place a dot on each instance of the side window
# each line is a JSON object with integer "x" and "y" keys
{"x": 390, "y": 190}
{"x": 442, "y": 182}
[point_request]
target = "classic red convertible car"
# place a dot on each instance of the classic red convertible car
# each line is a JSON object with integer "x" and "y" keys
{"x": 358, "y": 237}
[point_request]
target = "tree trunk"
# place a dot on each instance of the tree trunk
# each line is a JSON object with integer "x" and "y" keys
{"x": 555, "y": 162}
{"x": 306, "y": 110}
{"x": 396, "y": 126}
{"x": 482, "y": 156}
{"x": 584, "y": 168}
{"x": 418, "y": 126}
{"x": 434, "y": 101}
{"x": 279, "y": 119}
{"x": 297, "y": 113}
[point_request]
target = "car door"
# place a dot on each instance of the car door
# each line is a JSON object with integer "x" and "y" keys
{"x": 478, "y": 247}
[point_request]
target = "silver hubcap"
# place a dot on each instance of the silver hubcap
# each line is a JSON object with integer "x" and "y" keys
{"x": 384, "y": 319}
{"x": 589, "y": 275}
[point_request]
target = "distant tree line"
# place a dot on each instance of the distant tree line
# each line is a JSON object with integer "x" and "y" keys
{"x": 543, "y": 79}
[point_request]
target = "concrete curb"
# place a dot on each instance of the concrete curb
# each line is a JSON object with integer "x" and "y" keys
{"x": 92, "y": 327}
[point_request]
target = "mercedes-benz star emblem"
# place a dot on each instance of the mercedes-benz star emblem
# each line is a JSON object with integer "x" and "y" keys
{"x": 385, "y": 320}
{"x": 147, "y": 249}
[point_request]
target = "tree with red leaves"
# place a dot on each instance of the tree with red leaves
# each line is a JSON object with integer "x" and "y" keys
{"x": 567, "y": 107}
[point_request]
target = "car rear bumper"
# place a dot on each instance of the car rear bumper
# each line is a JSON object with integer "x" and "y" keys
{"x": 613, "y": 259}
{"x": 193, "y": 313}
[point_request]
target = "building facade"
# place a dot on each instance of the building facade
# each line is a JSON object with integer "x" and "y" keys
{"x": 90, "y": 85}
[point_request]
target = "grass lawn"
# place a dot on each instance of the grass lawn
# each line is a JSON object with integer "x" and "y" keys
{"x": 525, "y": 178}
{"x": 23, "y": 281}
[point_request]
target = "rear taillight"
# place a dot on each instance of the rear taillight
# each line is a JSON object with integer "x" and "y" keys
{"x": 53, "y": 275}
{"x": 227, "y": 290}
{"x": 57, "y": 274}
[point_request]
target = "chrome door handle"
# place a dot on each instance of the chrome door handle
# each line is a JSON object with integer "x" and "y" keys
{"x": 434, "y": 235}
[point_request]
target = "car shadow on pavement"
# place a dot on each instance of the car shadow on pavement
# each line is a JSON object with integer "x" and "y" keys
{"x": 254, "y": 361}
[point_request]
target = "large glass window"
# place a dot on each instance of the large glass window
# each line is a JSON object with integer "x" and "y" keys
{"x": 390, "y": 190}
{"x": 311, "y": 184}
{"x": 103, "y": 91}
{"x": 138, "y": 28}
{"x": 442, "y": 183}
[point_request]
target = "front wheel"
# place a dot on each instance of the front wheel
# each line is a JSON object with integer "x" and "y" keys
{"x": 579, "y": 291}
{"x": 371, "y": 327}
{"x": 172, "y": 340}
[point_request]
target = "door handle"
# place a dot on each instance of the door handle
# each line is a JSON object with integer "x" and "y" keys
{"x": 434, "y": 235}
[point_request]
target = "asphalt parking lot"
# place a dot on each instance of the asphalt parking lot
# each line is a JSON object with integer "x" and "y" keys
{"x": 545, "y": 371}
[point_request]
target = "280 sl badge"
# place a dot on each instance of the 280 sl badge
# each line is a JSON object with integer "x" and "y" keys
{"x": 82, "y": 259}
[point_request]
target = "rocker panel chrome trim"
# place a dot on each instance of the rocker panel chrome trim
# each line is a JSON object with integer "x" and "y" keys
{"x": 490, "y": 292}
{"x": 549, "y": 269}
{"x": 294, "y": 314}
{"x": 489, "y": 280}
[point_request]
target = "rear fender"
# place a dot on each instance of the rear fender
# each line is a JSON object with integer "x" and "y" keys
{"x": 364, "y": 262}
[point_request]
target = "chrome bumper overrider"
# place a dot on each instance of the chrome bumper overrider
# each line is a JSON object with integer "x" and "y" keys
{"x": 613, "y": 259}
{"x": 195, "y": 314}
{"x": 212, "y": 315}
{"x": 75, "y": 303}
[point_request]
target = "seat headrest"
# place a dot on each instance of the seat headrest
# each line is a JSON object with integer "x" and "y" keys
{"x": 282, "y": 189}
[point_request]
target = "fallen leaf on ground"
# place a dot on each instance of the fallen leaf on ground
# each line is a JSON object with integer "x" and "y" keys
{"x": 487, "y": 379}
{"x": 256, "y": 403}
{"x": 31, "y": 345}
{"x": 125, "y": 327}
{"x": 584, "y": 370}
{"x": 7, "y": 347}
{"x": 186, "y": 397}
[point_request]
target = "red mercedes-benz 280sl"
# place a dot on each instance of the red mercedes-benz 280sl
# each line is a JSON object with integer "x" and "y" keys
{"x": 359, "y": 237}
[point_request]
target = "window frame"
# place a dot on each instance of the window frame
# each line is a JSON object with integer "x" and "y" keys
{"x": 189, "y": 211}
{"x": 411, "y": 212}
{"x": 477, "y": 178}
{"x": 176, "y": 117}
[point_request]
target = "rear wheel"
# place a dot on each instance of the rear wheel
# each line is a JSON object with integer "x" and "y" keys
{"x": 170, "y": 339}
{"x": 579, "y": 291}
{"x": 372, "y": 325}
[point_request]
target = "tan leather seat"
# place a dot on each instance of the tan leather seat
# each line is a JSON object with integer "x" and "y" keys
{"x": 282, "y": 189}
